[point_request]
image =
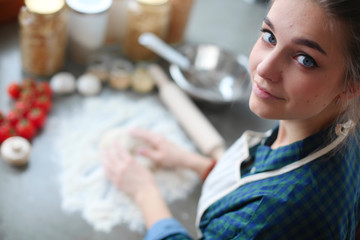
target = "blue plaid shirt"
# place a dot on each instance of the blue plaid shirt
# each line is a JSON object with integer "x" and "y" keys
{"x": 320, "y": 200}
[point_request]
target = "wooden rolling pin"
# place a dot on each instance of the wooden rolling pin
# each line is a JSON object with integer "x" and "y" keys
{"x": 196, "y": 125}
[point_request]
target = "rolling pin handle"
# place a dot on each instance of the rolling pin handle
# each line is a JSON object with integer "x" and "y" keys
{"x": 193, "y": 121}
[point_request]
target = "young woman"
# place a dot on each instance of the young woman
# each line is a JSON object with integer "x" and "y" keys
{"x": 300, "y": 180}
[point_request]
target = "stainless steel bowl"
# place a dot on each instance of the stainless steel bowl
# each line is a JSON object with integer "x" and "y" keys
{"x": 220, "y": 77}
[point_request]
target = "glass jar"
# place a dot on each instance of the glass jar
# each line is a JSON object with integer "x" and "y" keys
{"x": 180, "y": 12}
{"x": 87, "y": 31}
{"x": 99, "y": 66}
{"x": 43, "y": 36}
{"x": 120, "y": 74}
{"x": 145, "y": 16}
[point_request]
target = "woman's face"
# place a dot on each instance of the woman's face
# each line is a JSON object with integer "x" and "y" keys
{"x": 297, "y": 65}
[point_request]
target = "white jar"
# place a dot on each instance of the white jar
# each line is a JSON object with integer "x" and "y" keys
{"x": 87, "y": 27}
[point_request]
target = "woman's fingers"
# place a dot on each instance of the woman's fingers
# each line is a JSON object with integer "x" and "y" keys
{"x": 122, "y": 154}
{"x": 149, "y": 137}
{"x": 153, "y": 140}
{"x": 151, "y": 153}
{"x": 124, "y": 171}
{"x": 109, "y": 164}
{"x": 116, "y": 159}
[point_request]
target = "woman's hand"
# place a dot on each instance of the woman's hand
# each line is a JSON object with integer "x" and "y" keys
{"x": 167, "y": 154}
{"x": 126, "y": 173}
{"x": 136, "y": 181}
{"x": 161, "y": 151}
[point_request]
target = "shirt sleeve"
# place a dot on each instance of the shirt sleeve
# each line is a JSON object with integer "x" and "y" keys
{"x": 168, "y": 228}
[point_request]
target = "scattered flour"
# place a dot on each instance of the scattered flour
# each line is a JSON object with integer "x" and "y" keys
{"x": 83, "y": 185}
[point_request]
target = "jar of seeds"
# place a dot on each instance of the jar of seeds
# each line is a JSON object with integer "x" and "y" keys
{"x": 145, "y": 16}
{"x": 180, "y": 13}
{"x": 43, "y": 36}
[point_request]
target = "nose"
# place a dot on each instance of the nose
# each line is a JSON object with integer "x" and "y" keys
{"x": 270, "y": 67}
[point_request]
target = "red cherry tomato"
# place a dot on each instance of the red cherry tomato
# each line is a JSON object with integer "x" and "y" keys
{"x": 24, "y": 128}
{"x": 43, "y": 102}
{"x": 23, "y": 106}
{"x": 13, "y": 116}
{"x": 28, "y": 95}
{"x": 6, "y": 131}
{"x": 29, "y": 83}
{"x": 43, "y": 88}
{"x": 37, "y": 117}
{"x": 14, "y": 90}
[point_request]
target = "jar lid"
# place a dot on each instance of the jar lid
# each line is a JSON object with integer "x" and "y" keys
{"x": 153, "y": 2}
{"x": 89, "y": 6}
{"x": 44, "y": 6}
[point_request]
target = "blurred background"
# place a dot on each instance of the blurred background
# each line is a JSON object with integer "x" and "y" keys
{"x": 42, "y": 38}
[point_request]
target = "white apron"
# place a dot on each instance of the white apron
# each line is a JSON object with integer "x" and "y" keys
{"x": 226, "y": 176}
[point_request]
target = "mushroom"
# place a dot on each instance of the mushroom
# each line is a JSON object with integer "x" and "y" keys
{"x": 89, "y": 85}
{"x": 15, "y": 151}
{"x": 63, "y": 83}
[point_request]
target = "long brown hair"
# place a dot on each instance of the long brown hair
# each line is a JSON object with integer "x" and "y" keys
{"x": 347, "y": 12}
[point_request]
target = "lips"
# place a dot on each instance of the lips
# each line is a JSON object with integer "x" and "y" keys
{"x": 263, "y": 93}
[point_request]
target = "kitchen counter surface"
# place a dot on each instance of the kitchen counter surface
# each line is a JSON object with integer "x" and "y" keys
{"x": 30, "y": 203}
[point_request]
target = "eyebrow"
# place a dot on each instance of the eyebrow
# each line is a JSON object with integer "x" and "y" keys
{"x": 269, "y": 23}
{"x": 299, "y": 41}
{"x": 310, "y": 44}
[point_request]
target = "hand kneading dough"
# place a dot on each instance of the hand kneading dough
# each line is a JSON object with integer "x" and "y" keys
{"x": 127, "y": 141}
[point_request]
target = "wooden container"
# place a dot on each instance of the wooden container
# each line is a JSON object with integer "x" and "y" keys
{"x": 145, "y": 16}
{"x": 9, "y": 10}
{"x": 180, "y": 13}
{"x": 43, "y": 36}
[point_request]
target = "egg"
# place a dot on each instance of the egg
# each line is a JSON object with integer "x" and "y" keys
{"x": 15, "y": 151}
{"x": 89, "y": 85}
{"x": 63, "y": 83}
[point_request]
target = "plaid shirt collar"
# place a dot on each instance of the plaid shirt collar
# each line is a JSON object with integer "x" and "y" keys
{"x": 269, "y": 159}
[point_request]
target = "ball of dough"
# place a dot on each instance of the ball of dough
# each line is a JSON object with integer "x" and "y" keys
{"x": 63, "y": 83}
{"x": 89, "y": 85}
{"x": 127, "y": 141}
{"x": 16, "y": 151}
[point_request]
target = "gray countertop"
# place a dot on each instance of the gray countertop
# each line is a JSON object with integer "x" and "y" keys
{"x": 30, "y": 203}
